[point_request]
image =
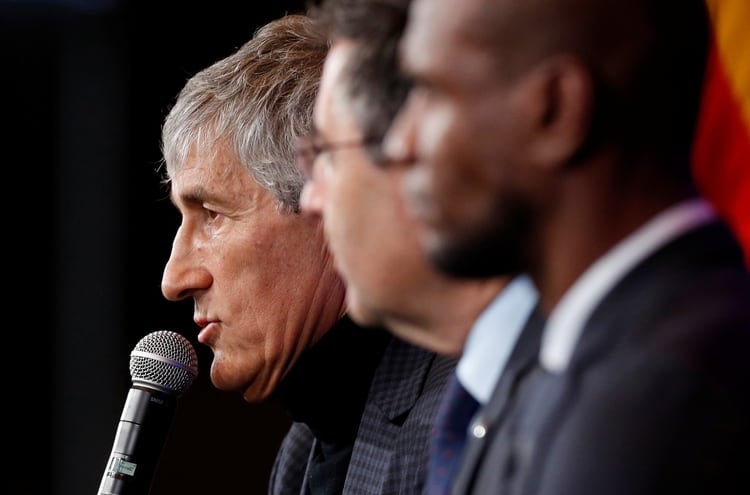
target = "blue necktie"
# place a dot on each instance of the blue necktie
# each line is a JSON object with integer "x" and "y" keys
{"x": 456, "y": 410}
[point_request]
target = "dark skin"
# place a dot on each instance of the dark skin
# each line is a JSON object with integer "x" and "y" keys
{"x": 539, "y": 132}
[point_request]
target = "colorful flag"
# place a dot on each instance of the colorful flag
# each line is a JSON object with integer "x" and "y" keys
{"x": 721, "y": 160}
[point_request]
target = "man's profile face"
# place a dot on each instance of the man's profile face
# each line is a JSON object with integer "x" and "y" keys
{"x": 251, "y": 270}
{"x": 458, "y": 125}
{"x": 369, "y": 232}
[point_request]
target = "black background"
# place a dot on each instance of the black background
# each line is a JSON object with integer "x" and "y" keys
{"x": 86, "y": 231}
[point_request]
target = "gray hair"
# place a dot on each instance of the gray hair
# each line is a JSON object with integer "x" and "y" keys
{"x": 258, "y": 100}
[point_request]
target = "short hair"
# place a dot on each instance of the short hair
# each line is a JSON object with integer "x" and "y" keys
{"x": 375, "y": 85}
{"x": 258, "y": 100}
{"x": 646, "y": 61}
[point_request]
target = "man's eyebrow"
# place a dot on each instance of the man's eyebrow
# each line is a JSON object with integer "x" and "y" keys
{"x": 196, "y": 195}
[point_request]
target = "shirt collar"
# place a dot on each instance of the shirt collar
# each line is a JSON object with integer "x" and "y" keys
{"x": 492, "y": 337}
{"x": 566, "y": 321}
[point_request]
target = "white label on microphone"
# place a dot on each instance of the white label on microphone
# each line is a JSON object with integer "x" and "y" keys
{"x": 119, "y": 465}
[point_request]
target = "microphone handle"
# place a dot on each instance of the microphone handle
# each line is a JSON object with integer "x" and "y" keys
{"x": 141, "y": 434}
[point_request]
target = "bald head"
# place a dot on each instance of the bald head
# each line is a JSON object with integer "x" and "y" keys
{"x": 645, "y": 57}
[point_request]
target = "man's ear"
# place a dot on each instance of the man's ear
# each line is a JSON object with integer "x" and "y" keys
{"x": 557, "y": 98}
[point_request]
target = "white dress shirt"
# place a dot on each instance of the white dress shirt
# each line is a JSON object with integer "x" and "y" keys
{"x": 493, "y": 336}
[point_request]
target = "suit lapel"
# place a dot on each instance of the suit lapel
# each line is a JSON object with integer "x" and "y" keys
{"x": 396, "y": 386}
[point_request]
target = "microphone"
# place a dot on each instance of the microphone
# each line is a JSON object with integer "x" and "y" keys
{"x": 163, "y": 365}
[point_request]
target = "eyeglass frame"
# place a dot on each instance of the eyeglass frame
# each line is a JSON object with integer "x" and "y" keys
{"x": 308, "y": 148}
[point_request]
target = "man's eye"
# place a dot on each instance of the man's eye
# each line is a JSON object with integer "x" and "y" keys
{"x": 211, "y": 214}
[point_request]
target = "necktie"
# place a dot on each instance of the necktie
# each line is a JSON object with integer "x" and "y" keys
{"x": 456, "y": 410}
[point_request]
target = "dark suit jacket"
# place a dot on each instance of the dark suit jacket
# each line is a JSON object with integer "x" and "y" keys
{"x": 656, "y": 398}
{"x": 391, "y": 448}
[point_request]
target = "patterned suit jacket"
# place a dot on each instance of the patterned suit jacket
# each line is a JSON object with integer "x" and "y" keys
{"x": 392, "y": 444}
{"x": 656, "y": 397}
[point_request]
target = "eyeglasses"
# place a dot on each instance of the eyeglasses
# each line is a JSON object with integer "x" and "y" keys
{"x": 310, "y": 147}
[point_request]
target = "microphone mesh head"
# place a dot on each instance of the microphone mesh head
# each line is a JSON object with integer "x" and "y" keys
{"x": 164, "y": 360}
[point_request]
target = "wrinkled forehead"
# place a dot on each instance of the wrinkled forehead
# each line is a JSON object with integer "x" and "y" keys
{"x": 208, "y": 163}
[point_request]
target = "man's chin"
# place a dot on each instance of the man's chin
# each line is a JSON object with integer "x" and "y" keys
{"x": 252, "y": 392}
{"x": 361, "y": 314}
{"x": 459, "y": 255}
{"x": 438, "y": 248}
{"x": 219, "y": 380}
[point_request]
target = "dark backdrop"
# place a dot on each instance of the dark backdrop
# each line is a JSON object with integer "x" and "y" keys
{"x": 87, "y": 230}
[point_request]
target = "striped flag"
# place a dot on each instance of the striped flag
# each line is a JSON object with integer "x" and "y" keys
{"x": 721, "y": 159}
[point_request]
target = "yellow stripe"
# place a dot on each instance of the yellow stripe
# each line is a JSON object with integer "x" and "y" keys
{"x": 731, "y": 19}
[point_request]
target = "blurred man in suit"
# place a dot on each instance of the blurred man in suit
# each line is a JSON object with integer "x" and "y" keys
{"x": 554, "y": 137}
{"x": 354, "y": 187}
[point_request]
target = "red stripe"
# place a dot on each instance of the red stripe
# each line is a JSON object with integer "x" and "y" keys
{"x": 722, "y": 151}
